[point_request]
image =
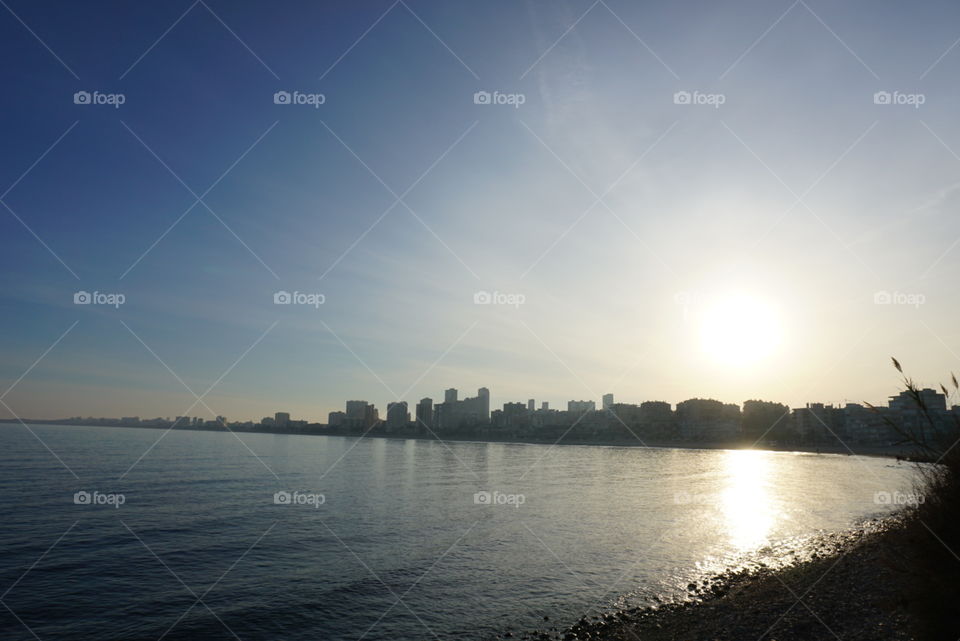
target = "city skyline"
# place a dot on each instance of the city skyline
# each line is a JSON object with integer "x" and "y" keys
{"x": 583, "y": 203}
{"x": 355, "y": 408}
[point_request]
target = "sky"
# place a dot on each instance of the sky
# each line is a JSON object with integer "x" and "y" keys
{"x": 552, "y": 199}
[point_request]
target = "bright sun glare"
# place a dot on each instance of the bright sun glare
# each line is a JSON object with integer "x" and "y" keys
{"x": 740, "y": 331}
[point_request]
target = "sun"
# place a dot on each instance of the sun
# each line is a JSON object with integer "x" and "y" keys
{"x": 740, "y": 331}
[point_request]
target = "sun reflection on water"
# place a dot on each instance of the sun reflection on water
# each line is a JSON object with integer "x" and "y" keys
{"x": 749, "y": 509}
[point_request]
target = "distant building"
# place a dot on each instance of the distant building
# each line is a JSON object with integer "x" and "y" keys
{"x": 708, "y": 420}
{"x": 607, "y": 401}
{"x": 335, "y": 419}
{"x": 531, "y": 405}
{"x": 425, "y": 413}
{"x": 581, "y": 406}
{"x": 454, "y": 414}
{"x": 281, "y": 419}
{"x": 397, "y": 415}
{"x": 544, "y": 406}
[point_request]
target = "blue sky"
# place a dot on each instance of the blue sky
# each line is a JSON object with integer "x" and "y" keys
{"x": 798, "y": 193}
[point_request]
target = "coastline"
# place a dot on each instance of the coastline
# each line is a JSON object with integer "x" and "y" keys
{"x": 852, "y": 585}
{"x": 888, "y": 451}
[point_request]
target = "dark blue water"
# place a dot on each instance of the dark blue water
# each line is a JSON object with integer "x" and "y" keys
{"x": 398, "y": 549}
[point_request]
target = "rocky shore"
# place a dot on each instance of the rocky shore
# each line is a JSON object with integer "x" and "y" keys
{"x": 849, "y": 585}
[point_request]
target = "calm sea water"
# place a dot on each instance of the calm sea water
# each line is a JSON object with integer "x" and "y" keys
{"x": 399, "y": 548}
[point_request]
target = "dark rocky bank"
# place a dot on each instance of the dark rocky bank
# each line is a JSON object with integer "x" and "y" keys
{"x": 853, "y": 585}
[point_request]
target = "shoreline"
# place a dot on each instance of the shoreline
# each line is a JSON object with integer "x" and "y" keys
{"x": 883, "y": 451}
{"x": 850, "y": 585}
